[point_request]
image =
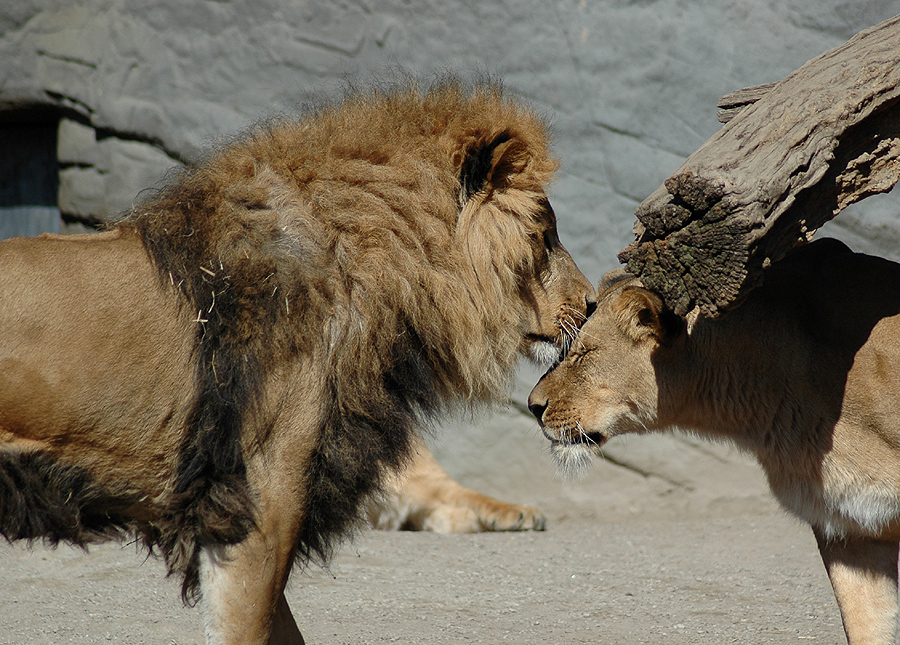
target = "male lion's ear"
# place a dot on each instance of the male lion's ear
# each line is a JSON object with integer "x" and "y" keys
{"x": 488, "y": 163}
{"x": 642, "y": 314}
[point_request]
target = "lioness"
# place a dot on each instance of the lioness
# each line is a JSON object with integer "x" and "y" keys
{"x": 235, "y": 368}
{"x": 805, "y": 374}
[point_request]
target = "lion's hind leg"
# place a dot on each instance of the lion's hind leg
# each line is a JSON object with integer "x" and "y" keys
{"x": 863, "y": 573}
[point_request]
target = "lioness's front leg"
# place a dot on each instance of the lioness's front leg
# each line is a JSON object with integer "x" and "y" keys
{"x": 863, "y": 573}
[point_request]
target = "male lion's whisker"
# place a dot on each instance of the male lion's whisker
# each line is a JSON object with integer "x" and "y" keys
{"x": 576, "y": 313}
{"x": 569, "y": 331}
{"x": 568, "y": 326}
{"x": 581, "y": 332}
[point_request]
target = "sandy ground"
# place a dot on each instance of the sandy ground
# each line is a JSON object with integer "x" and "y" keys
{"x": 750, "y": 579}
{"x": 728, "y": 570}
{"x": 670, "y": 540}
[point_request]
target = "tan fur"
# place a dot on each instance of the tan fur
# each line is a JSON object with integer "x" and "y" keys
{"x": 424, "y": 497}
{"x": 805, "y": 374}
{"x": 244, "y": 361}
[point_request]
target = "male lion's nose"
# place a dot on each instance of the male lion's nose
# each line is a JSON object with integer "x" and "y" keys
{"x": 590, "y": 306}
{"x": 537, "y": 408}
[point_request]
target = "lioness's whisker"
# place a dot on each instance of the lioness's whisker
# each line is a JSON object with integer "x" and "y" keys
{"x": 585, "y": 435}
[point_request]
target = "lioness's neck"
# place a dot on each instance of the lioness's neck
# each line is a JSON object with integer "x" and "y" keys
{"x": 734, "y": 378}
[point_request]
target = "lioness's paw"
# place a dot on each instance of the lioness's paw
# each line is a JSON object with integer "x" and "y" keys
{"x": 489, "y": 515}
{"x": 512, "y": 517}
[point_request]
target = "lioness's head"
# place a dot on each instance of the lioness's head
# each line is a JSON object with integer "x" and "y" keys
{"x": 607, "y": 384}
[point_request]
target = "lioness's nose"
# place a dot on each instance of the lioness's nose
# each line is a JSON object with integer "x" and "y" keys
{"x": 537, "y": 408}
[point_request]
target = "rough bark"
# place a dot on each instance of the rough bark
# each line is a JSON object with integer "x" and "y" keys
{"x": 730, "y": 104}
{"x": 826, "y": 136}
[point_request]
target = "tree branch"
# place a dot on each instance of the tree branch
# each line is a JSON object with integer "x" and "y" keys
{"x": 792, "y": 157}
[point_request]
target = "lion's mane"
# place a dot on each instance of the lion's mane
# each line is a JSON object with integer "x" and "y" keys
{"x": 367, "y": 235}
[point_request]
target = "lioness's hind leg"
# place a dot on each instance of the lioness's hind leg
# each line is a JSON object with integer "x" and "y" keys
{"x": 426, "y": 498}
{"x": 863, "y": 573}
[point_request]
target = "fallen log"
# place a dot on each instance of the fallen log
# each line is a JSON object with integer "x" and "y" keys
{"x": 792, "y": 157}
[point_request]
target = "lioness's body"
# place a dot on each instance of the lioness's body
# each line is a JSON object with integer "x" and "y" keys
{"x": 243, "y": 362}
{"x": 805, "y": 374}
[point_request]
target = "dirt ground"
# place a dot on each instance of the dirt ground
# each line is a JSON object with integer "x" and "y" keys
{"x": 670, "y": 540}
{"x": 745, "y": 579}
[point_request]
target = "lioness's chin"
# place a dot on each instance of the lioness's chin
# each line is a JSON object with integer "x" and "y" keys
{"x": 572, "y": 459}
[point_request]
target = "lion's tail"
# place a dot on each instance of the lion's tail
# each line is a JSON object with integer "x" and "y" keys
{"x": 41, "y": 498}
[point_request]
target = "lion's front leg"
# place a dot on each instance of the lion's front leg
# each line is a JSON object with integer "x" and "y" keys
{"x": 242, "y": 585}
{"x": 426, "y": 498}
{"x": 863, "y": 573}
{"x": 284, "y": 627}
{"x": 242, "y": 594}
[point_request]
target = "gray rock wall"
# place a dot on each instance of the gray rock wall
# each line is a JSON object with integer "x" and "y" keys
{"x": 631, "y": 86}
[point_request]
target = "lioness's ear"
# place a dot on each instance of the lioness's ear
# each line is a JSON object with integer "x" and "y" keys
{"x": 489, "y": 162}
{"x": 642, "y": 314}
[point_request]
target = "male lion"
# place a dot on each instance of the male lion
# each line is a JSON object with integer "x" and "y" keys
{"x": 236, "y": 367}
{"x": 805, "y": 374}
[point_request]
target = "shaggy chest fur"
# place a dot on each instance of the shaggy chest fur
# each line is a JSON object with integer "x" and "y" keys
{"x": 258, "y": 344}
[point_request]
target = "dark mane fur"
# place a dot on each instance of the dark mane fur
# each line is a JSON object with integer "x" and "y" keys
{"x": 277, "y": 263}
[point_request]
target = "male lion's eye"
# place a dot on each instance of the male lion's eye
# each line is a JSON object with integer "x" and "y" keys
{"x": 551, "y": 241}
